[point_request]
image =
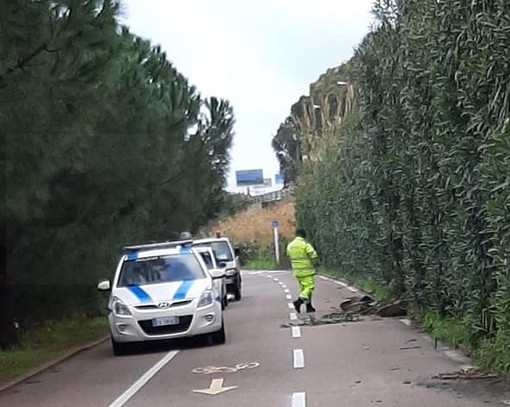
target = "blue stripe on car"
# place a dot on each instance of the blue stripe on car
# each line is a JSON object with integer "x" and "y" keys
{"x": 183, "y": 289}
{"x": 140, "y": 293}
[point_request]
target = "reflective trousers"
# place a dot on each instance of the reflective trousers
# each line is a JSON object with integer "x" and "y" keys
{"x": 306, "y": 287}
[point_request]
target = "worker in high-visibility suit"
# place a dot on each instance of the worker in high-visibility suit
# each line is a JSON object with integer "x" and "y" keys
{"x": 303, "y": 258}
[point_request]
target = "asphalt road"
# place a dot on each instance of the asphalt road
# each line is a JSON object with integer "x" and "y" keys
{"x": 265, "y": 363}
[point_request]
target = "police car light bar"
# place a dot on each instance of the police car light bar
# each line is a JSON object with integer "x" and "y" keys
{"x": 161, "y": 245}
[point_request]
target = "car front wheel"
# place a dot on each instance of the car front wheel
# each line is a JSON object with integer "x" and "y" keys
{"x": 219, "y": 337}
{"x": 120, "y": 348}
{"x": 237, "y": 291}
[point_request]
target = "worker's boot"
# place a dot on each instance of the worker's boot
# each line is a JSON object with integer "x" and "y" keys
{"x": 309, "y": 306}
{"x": 297, "y": 305}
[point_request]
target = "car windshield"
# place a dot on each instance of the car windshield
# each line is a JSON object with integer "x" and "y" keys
{"x": 221, "y": 250}
{"x": 161, "y": 269}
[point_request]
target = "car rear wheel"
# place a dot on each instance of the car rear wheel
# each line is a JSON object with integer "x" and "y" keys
{"x": 120, "y": 348}
{"x": 219, "y": 337}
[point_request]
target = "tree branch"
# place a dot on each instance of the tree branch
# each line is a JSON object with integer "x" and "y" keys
{"x": 24, "y": 61}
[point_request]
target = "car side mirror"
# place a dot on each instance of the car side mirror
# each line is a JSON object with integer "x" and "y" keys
{"x": 237, "y": 251}
{"x": 222, "y": 265}
{"x": 104, "y": 285}
{"x": 217, "y": 273}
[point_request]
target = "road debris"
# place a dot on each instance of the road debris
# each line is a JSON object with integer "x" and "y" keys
{"x": 335, "y": 317}
{"x": 410, "y": 347}
{"x": 365, "y": 304}
{"x": 465, "y": 374}
{"x": 352, "y": 309}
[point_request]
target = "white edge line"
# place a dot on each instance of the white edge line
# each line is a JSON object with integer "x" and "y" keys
{"x": 286, "y": 290}
{"x": 293, "y": 316}
{"x": 149, "y": 374}
{"x": 352, "y": 289}
{"x": 299, "y": 399}
{"x": 291, "y": 306}
{"x": 284, "y": 286}
{"x": 456, "y": 356}
{"x": 296, "y": 332}
{"x": 288, "y": 296}
{"x": 299, "y": 359}
{"x": 405, "y": 321}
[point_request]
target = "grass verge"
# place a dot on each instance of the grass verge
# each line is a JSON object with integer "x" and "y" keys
{"x": 450, "y": 330}
{"x": 48, "y": 341}
{"x": 261, "y": 264}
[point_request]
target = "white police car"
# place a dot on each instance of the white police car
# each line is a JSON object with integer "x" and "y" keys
{"x": 163, "y": 291}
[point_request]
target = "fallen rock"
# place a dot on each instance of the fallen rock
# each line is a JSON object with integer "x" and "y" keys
{"x": 358, "y": 304}
{"x": 395, "y": 309}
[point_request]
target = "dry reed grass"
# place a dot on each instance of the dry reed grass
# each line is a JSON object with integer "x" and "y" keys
{"x": 254, "y": 224}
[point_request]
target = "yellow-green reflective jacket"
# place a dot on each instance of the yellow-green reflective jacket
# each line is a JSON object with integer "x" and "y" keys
{"x": 302, "y": 256}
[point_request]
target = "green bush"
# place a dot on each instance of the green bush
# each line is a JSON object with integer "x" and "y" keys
{"x": 413, "y": 188}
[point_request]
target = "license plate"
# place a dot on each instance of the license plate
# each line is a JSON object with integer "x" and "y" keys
{"x": 165, "y": 321}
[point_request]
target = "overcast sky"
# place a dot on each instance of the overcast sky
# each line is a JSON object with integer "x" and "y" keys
{"x": 261, "y": 55}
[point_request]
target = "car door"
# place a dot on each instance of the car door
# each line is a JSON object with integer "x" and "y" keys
{"x": 209, "y": 259}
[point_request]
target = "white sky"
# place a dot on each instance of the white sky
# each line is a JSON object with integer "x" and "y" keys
{"x": 260, "y": 55}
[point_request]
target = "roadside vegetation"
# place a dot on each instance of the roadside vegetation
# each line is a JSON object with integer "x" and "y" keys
{"x": 262, "y": 262}
{"x": 250, "y": 229}
{"x": 48, "y": 340}
{"x": 401, "y": 162}
{"x": 105, "y": 144}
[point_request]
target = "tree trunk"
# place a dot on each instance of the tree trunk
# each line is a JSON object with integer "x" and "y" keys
{"x": 8, "y": 333}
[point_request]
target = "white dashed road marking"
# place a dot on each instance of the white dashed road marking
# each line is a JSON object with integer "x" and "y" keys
{"x": 299, "y": 399}
{"x": 286, "y": 290}
{"x": 291, "y": 306}
{"x": 293, "y": 316}
{"x": 288, "y": 296}
{"x": 299, "y": 359}
{"x": 149, "y": 374}
{"x": 296, "y": 332}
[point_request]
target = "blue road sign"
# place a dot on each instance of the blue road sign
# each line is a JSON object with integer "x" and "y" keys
{"x": 275, "y": 224}
{"x": 249, "y": 177}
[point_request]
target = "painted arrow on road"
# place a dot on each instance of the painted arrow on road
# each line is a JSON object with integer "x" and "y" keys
{"x": 215, "y": 388}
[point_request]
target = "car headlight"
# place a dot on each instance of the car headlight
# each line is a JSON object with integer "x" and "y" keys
{"x": 119, "y": 308}
{"x": 230, "y": 272}
{"x": 205, "y": 299}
